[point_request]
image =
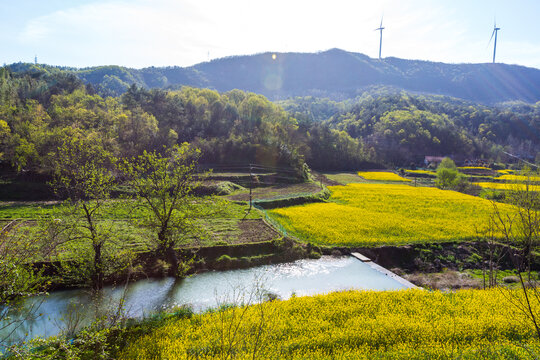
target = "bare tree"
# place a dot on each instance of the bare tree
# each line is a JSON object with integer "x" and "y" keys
{"x": 520, "y": 228}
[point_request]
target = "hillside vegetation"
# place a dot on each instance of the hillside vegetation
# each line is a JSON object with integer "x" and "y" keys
{"x": 334, "y": 73}
{"x": 400, "y": 127}
{"x": 39, "y": 110}
{"x": 41, "y": 107}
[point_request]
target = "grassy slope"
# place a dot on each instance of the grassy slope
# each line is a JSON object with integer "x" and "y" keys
{"x": 123, "y": 219}
{"x": 400, "y": 324}
{"x": 376, "y": 214}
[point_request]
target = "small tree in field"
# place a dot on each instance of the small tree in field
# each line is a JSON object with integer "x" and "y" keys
{"x": 82, "y": 175}
{"x": 164, "y": 185}
{"x": 448, "y": 176}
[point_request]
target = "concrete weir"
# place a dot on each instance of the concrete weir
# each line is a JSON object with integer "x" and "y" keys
{"x": 386, "y": 272}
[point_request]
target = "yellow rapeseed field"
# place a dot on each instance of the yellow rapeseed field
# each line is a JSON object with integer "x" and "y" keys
{"x": 426, "y": 172}
{"x": 376, "y": 214}
{"x": 519, "y": 178}
{"x": 473, "y": 168}
{"x": 508, "y": 186}
{"x": 382, "y": 176}
{"x": 409, "y": 324}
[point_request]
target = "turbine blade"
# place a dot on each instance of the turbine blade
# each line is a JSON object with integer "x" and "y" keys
{"x": 491, "y": 38}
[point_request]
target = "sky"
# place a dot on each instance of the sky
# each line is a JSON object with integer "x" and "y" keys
{"x": 142, "y": 33}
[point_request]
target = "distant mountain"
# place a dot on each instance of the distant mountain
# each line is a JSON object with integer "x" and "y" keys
{"x": 335, "y": 73}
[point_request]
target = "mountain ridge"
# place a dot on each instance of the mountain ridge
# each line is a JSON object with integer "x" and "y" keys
{"x": 334, "y": 73}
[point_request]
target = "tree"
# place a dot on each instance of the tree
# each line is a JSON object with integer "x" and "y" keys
{"x": 4, "y": 133}
{"x": 82, "y": 175}
{"x": 22, "y": 243}
{"x": 164, "y": 185}
{"x": 448, "y": 176}
{"x": 520, "y": 228}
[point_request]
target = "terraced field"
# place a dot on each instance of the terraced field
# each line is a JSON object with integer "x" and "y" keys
{"x": 377, "y": 214}
{"x": 382, "y": 176}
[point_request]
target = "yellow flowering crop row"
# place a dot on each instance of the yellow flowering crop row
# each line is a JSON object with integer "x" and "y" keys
{"x": 427, "y": 172}
{"x": 381, "y": 176}
{"x": 519, "y": 178}
{"x": 473, "y": 168}
{"x": 505, "y": 172}
{"x": 375, "y": 214}
{"x": 471, "y": 324}
{"x": 507, "y": 186}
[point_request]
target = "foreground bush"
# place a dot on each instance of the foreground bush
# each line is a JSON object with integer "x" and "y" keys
{"x": 402, "y": 324}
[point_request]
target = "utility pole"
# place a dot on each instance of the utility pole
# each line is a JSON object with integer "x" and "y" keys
{"x": 250, "y": 184}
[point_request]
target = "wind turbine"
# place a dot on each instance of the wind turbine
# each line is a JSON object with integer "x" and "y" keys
{"x": 495, "y": 29}
{"x": 380, "y": 28}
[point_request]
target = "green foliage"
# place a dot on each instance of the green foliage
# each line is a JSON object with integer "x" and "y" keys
{"x": 41, "y": 105}
{"x": 163, "y": 186}
{"x": 17, "y": 280}
{"x": 448, "y": 176}
{"x": 403, "y": 127}
{"x": 82, "y": 175}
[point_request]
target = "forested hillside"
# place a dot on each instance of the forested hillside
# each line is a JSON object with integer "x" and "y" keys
{"x": 41, "y": 108}
{"x": 400, "y": 126}
{"x": 335, "y": 73}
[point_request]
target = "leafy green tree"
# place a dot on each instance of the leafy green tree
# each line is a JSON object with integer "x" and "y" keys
{"x": 5, "y": 131}
{"x": 137, "y": 131}
{"x": 82, "y": 175}
{"x": 164, "y": 185}
{"x": 448, "y": 176}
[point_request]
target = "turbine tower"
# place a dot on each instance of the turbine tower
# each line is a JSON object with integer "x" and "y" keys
{"x": 495, "y": 29}
{"x": 380, "y": 28}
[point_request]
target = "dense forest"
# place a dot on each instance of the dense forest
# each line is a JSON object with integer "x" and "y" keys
{"x": 41, "y": 108}
{"x": 335, "y": 74}
{"x": 403, "y": 127}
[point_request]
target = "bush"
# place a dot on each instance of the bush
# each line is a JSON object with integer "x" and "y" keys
{"x": 448, "y": 176}
{"x": 225, "y": 261}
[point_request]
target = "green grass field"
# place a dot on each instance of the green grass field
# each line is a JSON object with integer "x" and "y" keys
{"x": 345, "y": 178}
{"x": 122, "y": 220}
{"x": 384, "y": 214}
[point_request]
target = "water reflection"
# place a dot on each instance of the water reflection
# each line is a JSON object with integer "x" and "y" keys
{"x": 72, "y": 309}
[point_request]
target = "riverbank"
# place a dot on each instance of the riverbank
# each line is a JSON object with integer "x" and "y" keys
{"x": 436, "y": 265}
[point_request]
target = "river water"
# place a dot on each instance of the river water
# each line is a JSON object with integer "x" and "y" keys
{"x": 67, "y": 308}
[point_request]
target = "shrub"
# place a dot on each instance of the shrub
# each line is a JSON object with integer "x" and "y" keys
{"x": 448, "y": 176}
